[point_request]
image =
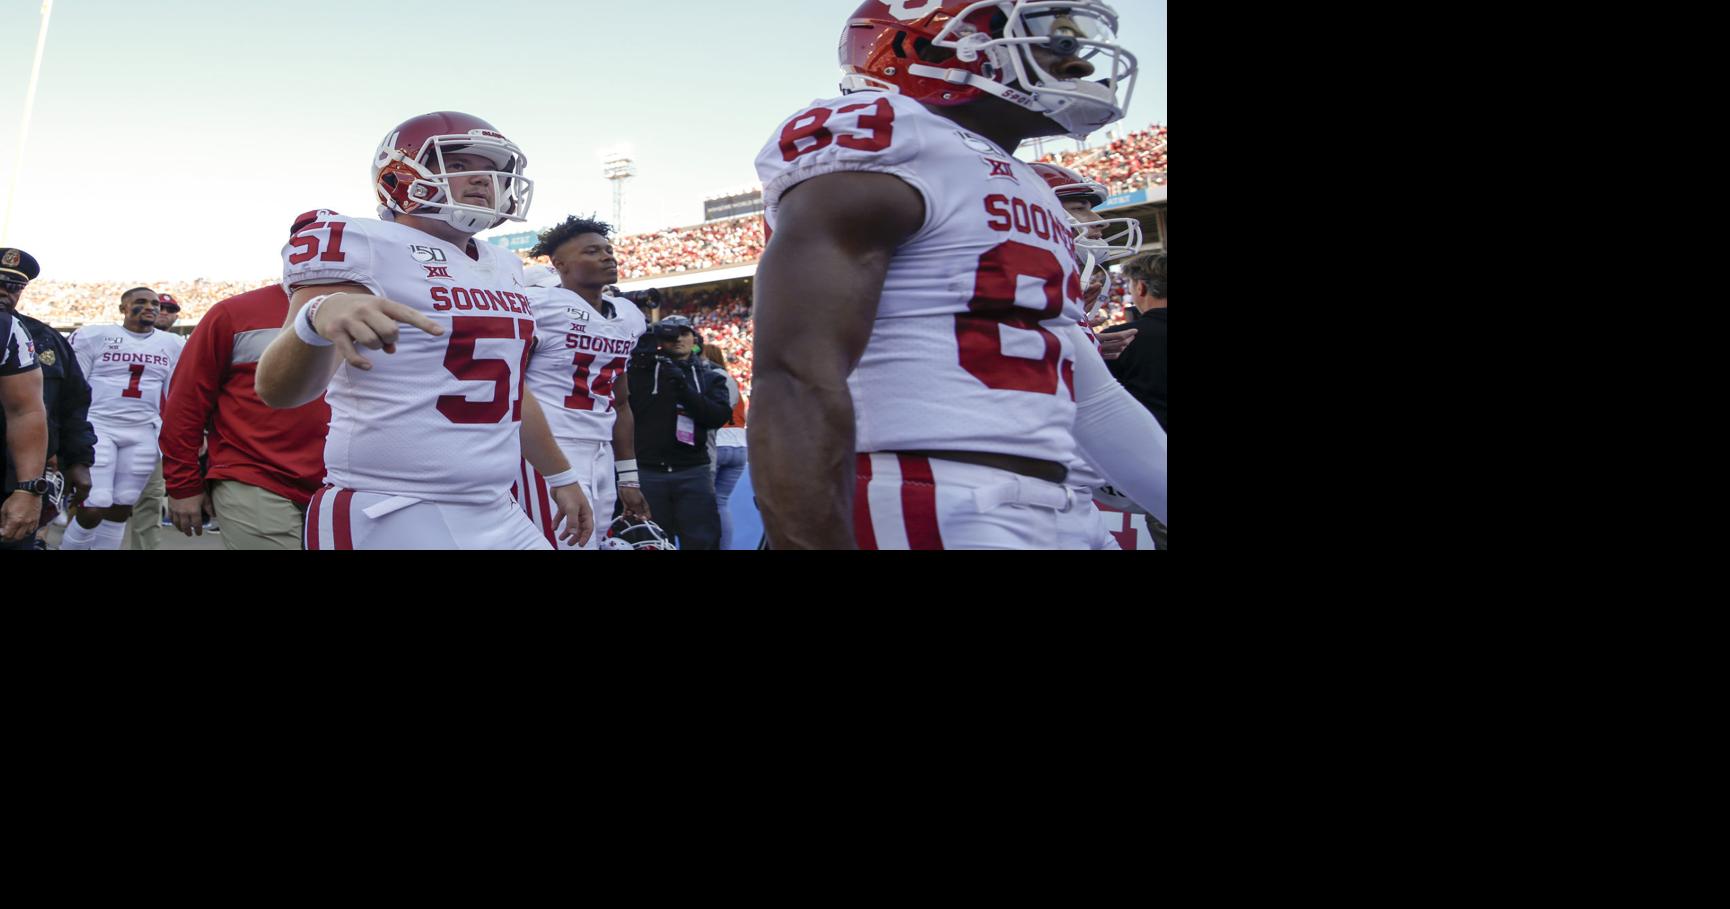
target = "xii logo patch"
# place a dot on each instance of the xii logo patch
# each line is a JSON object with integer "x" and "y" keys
{"x": 1002, "y": 169}
{"x": 437, "y": 271}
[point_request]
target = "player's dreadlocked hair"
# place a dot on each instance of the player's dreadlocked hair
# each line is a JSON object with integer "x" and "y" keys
{"x": 556, "y": 236}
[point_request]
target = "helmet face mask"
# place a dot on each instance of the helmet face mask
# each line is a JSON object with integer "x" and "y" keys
{"x": 627, "y": 533}
{"x": 412, "y": 176}
{"x": 1108, "y": 239}
{"x": 1004, "y": 48}
{"x": 54, "y": 500}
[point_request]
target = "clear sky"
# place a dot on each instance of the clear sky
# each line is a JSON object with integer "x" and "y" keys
{"x": 176, "y": 139}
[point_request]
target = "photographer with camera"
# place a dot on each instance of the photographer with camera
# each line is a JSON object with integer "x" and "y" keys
{"x": 677, "y": 399}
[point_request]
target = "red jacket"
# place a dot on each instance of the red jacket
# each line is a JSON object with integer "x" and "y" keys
{"x": 281, "y": 451}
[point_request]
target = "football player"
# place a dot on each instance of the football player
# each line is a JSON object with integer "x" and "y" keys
{"x": 583, "y": 339}
{"x": 921, "y": 372}
{"x": 129, "y": 367}
{"x": 425, "y": 441}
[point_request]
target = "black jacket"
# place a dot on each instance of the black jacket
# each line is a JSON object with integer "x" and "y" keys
{"x": 65, "y": 395}
{"x": 1141, "y": 369}
{"x": 65, "y": 398}
{"x": 658, "y": 391}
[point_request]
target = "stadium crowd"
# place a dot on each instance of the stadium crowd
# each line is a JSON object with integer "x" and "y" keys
{"x": 680, "y": 249}
{"x": 1127, "y": 164}
{"x": 65, "y": 304}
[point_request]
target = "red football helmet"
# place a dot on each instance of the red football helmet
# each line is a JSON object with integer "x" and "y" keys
{"x": 1071, "y": 184}
{"x": 409, "y": 175}
{"x": 951, "y": 51}
{"x": 1098, "y": 241}
{"x": 1109, "y": 239}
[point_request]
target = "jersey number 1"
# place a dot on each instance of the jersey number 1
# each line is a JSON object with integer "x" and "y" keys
{"x": 132, "y": 390}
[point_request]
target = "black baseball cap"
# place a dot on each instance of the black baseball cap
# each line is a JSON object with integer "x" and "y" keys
{"x": 18, "y": 265}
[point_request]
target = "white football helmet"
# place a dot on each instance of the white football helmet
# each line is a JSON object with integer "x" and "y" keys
{"x": 948, "y": 52}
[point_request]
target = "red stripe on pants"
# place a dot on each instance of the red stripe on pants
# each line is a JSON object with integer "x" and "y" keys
{"x": 312, "y": 518}
{"x": 546, "y": 510}
{"x": 339, "y": 521}
{"x": 863, "y": 532}
{"x": 919, "y": 503}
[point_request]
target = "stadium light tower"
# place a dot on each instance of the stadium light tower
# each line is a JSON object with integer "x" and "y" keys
{"x": 618, "y": 167}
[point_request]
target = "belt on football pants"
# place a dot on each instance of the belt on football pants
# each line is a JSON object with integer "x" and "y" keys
{"x": 1024, "y": 491}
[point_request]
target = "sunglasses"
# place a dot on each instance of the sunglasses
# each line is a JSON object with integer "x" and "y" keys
{"x": 12, "y": 285}
{"x": 169, "y": 307}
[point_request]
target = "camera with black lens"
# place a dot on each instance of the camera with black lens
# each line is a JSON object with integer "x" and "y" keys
{"x": 670, "y": 328}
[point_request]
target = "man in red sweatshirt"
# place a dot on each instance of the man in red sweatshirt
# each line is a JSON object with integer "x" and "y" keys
{"x": 264, "y": 463}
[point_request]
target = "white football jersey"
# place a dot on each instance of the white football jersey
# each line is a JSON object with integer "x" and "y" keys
{"x": 958, "y": 357}
{"x": 438, "y": 420}
{"x": 128, "y": 372}
{"x": 579, "y": 355}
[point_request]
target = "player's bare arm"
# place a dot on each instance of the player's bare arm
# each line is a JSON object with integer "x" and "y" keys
{"x": 293, "y": 372}
{"x": 817, "y": 291}
{"x": 542, "y": 451}
{"x": 27, "y": 440}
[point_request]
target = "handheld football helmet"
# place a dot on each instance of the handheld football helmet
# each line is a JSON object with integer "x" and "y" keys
{"x": 410, "y": 176}
{"x": 1109, "y": 495}
{"x": 949, "y": 52}
{"x": 54, "y": 500}
{"x": 1100, "y": 241}
{"x": 629, "y": 533}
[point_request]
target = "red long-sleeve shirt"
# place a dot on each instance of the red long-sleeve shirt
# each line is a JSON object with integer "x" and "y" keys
{"x": 251, "y": 442}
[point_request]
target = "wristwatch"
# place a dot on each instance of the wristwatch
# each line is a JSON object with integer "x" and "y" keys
{"x": 34, "y": 487}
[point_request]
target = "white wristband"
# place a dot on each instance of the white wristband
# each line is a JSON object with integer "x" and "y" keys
{"x": 303, "y": 323}
{"x": 562, "y": 479}
{"x": 627, "y": 472}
